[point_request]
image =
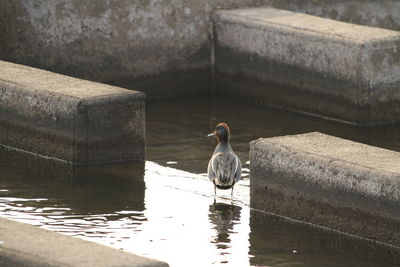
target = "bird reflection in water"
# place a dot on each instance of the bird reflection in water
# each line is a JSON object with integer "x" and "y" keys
{"x": 223, "y": 217}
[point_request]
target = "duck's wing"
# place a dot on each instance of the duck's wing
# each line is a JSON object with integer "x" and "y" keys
{"x": 210, "y": 171}
{"x": 238, "y": 173}
{"x": 224, "y": 166}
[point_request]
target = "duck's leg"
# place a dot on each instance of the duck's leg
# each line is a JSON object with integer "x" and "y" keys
{"x": 215, "y": 191}
{"x": 232, "y": 192}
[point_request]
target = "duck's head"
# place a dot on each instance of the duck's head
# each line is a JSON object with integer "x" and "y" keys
{"x": 221, "y": 132}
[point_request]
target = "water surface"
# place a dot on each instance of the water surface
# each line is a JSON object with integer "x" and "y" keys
{"x": 164, "y": 208}
{"x": 176, "y": 129}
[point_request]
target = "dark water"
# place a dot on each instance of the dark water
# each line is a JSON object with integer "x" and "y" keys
{"x": 176, "y": 129}
{"x": 164, "y": 208}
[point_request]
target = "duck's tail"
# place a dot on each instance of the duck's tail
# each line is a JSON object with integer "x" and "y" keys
{"x": 223, "y": 180}
{"x": 224, "y": 186}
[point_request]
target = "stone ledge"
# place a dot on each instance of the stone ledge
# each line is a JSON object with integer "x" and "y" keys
{"x": 310, "y": 64}
{"x": 27, "y": 245}
{"x": 328, "y": 181}
{"x": 70, "y": 119}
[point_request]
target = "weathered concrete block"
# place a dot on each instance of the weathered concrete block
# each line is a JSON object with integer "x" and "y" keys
{"x": 309, "y": 64}
{"x": 70, "y": 119}
{"x": 158, "y": 47}
{"x": 329, "y": 181}
{"x": 27, "y": 245}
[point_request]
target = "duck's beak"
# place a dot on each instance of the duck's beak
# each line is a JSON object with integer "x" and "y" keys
{"x": 211, "y": 134}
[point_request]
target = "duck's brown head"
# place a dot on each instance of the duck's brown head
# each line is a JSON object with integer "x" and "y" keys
{"x": 221, "y": 132}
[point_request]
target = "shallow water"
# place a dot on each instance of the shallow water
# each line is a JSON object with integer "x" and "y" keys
{"x": 176, "y": 129}
{"x": 164, "y": 208}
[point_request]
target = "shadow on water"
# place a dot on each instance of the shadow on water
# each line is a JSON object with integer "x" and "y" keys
{"x": 275, "y": 241}
{"x": 103, "y": 189}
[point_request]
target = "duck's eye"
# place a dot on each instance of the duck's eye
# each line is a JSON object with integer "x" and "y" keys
{"x": 220, "y": 129}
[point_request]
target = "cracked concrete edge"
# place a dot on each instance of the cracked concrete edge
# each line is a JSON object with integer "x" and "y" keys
{"x": 26, "y": 245}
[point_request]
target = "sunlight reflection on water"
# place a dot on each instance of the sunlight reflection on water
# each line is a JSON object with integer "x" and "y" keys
{"x": 179, "y": 220}
{"x": 171, "y": 215}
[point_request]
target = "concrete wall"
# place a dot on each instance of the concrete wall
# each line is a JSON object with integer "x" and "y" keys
{"x": 159, "y": 47}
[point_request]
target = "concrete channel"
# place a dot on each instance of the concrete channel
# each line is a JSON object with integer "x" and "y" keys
{"x": 313, "y": 65}
{"x": 328, "y": 181}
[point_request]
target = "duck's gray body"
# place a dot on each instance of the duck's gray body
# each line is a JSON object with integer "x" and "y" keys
{"x": 224, "y": 168}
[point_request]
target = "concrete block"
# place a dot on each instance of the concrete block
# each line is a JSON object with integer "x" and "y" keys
{"x": 328, "y": 181}
{"x": 309, "y": 64}
{"x": 69, "y": 119}
{"x": 158, "y": 47}
{"x": 27, "y": 245}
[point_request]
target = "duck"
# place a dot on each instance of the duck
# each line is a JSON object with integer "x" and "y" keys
{"x": 224, "y": 168}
